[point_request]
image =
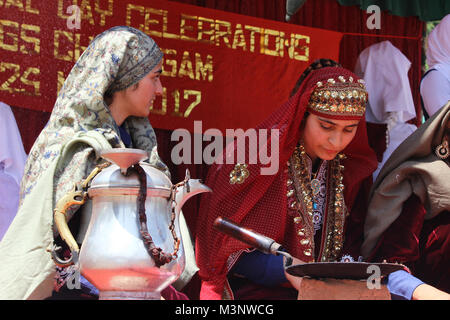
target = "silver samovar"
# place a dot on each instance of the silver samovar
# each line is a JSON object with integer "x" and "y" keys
{"x": 132, "y": 248}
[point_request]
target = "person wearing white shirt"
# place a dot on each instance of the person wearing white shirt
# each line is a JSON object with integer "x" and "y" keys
{"x": 12, "y": 162}
{"x": 435, "y": 84}
{"x": 385, "y": 68}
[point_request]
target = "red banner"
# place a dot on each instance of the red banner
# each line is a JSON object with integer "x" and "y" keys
{"x": 228, "y": 70}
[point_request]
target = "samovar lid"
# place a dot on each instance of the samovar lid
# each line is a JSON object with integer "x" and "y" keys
{"x": 124, "y": 157}
{"x": 114, "y": 179}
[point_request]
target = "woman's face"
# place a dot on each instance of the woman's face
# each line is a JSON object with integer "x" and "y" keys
{"x": 139, "y": 100}
{"x": 324, "y": 138}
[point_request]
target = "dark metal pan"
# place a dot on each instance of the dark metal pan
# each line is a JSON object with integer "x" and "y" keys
{"x": 336, "y": 270}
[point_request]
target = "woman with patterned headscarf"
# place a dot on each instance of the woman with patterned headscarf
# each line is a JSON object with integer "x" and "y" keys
{"x": 103, "y": 104}
{"x": 308, "y": 206}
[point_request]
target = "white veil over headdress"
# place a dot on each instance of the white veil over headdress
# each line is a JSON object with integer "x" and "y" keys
{"x": 12, "y": 162}
{"x": 435, "y": 85}
{"x": 385, "y": 71}
{"x": 438, "y": 47}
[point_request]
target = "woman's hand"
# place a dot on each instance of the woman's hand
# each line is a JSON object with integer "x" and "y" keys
{"x": 295, "y": 281}
{"x": 427, "y": 292}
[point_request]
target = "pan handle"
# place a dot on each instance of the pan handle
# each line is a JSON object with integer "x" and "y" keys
{"x": 252, "y": 238}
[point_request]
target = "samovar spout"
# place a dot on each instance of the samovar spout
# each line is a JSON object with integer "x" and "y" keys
{"x": 187, "y": 189}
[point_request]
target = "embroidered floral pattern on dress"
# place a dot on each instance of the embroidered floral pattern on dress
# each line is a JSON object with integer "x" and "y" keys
{"x": 62, "y": 275}
{"x": 308, "y": 212}
{"x": 347, "y": 258}
{"x": 319, "y": 200}
{"x": 309, "y": 209}
{"x": 239, "y": 174}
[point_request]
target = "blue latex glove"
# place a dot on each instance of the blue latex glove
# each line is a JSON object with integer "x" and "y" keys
{"x": 261, "y": 268}
{"x": 402, "y": 284}
{"x": 88, "y": 287}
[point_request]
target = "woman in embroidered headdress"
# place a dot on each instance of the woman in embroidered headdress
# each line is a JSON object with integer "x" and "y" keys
{"x": 307, "y": 206}
{"x": 104, "y": 103}
{"x": 408, "y": 218}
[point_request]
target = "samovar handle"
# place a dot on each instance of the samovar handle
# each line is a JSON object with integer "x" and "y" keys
{"x": 74, "y": 197}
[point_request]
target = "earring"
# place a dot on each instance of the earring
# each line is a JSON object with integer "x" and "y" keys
{"x": 442, "y": 150}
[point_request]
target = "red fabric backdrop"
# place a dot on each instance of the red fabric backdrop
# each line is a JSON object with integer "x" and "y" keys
{"x": 203, "y": 48}
{"x": 326, "y": 14}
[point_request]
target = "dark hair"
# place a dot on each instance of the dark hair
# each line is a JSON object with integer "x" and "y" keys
{"x": 318, "y": 64}
{"x": 108, "y": 97}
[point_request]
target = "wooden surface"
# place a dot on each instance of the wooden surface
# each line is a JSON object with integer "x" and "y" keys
{"x": 340, "y": 289}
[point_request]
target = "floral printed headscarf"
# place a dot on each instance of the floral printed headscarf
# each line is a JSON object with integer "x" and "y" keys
{"x": 115, "y": 60}
{"x": 68, "y": 148}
